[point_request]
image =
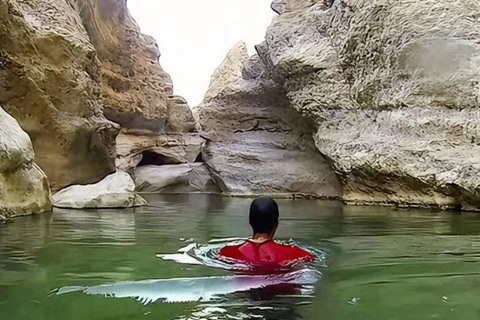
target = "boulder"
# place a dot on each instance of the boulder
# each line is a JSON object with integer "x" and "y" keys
{"x": 256, "y": 143}
{"x": 23, "y": 185}
{"x": 393, "y": 89}
{"x": 183, "y": 178}
{"x": 115, "y": 191}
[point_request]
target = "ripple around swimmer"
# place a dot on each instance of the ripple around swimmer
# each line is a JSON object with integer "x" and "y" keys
{"x": 296, "y": 283}
{"x": 207, "y": 255}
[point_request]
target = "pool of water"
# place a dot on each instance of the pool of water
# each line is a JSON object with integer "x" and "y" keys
{"x": 374, "y": 263}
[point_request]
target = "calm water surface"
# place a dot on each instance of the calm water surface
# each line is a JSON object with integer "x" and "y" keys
{"x": 376, "y": 263}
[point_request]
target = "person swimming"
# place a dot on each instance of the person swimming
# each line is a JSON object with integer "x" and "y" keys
{"x": 261, "y": 249}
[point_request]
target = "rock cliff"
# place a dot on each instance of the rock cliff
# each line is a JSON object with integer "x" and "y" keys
{"x": 23, "y": 185}
{"x": 136, "y": 92}
{"x": 256, "y": 143}
{"x": 73, "y": 73}
{"x": 49, "y": 78}
{"x": 376, "y": 101}
{"x": 393, "y": 88}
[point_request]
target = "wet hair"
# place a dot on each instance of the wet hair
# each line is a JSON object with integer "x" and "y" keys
{"x": 263, "y": 215}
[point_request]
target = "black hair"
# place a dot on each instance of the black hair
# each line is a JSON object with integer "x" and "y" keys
{"x": 263, "y": 215}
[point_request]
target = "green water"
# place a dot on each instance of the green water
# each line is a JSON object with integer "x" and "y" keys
{"x": 381, "y": 263}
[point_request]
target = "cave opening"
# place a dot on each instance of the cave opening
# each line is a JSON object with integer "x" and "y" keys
{"x": 156, "y": 159}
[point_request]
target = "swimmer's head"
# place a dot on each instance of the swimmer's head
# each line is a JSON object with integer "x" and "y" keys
{"x": 264, "y": 215}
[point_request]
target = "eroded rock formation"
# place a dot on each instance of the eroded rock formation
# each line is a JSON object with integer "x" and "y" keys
{"x": 136, "y": 92}
{"x": 49, "y": 74}
{"x": 389, "y": 90}
{"x": 71, "y": 71}
{"x": 24, "y": 187}
{"x": 134, "y": 150}
{"x": 393, "y": 87}
{"x": 256, "y": 143}
{"x": 284, "y": 6}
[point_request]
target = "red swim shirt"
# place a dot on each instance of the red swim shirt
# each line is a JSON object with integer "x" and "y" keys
{"x": 268, "y": 252}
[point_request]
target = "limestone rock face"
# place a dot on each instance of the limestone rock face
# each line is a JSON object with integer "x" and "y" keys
{"x": 115, "y": 191}
{"x": 256, "y": 143}
{"x": 136, "y": 92}
{"x": 48, "y": 75}
{"x": 393, "y": 88}
{"x": 67, "y": 66}
{"x": 23, "y": 185}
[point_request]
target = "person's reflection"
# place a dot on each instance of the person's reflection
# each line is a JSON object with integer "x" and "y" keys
{"x": 271, "y": 303}
{"x": 275, "y": 302}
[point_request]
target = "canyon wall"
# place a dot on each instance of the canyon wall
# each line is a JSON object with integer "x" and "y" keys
{"x": 49, "y": 81}
{"x": 257, "y": 143}
{"x": 374, "y": 101}
{"x": 75, "y": 73}
{"x": 393, "y": 88}
{"x": 136, "y": 92}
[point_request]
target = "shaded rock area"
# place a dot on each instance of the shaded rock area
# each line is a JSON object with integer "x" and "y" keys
{"x": 134, "y": 150}
{"x": 24, "y": 187}
{"x": 115, "y": 191}
{"x": 175, "y": 179}
{"x": 393, "y": 88}
{"x": 256, "y": 143}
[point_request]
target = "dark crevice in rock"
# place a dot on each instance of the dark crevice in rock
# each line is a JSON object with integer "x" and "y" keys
{"x": 199, "y": 158}
{"x": 153, "y": 158}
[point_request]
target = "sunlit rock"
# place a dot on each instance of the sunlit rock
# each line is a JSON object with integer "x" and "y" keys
{"x": 256, "y": 143}
{"x": 23, "y": 185}
{"x": 115, "y": 191}
{"x": 393, "y": 88}
{"x": 136, "y": 92}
